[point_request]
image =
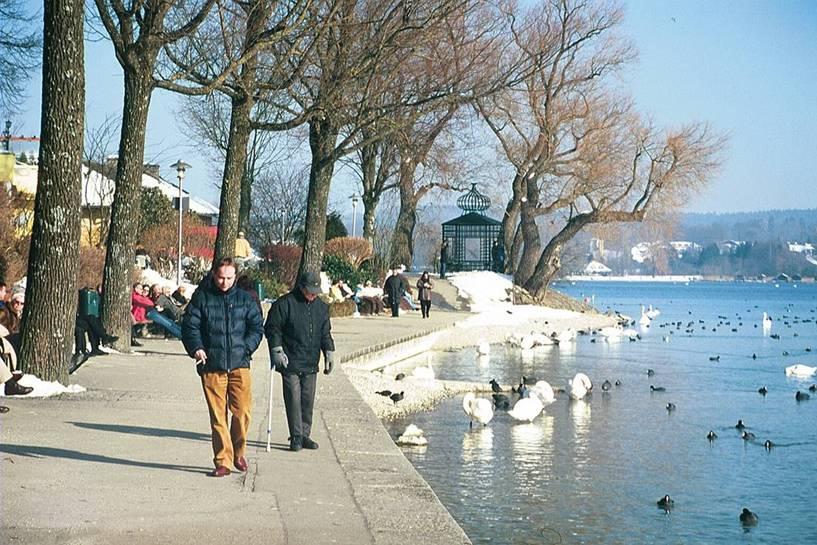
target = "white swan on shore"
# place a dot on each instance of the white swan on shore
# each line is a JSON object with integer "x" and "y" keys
{"x": 800, "y": 370}
{"x": 566, "y": 335}
{"x": 478, "y": 409}
{"x": 526, "y": 409}
{"x": 653, "y": 313}
{"x": 424, "y": 372}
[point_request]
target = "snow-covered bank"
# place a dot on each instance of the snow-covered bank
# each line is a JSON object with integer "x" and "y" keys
{"x": 634, "y": 278}
{"x": 494, "y": 318}
{"x": 44, "y": 388}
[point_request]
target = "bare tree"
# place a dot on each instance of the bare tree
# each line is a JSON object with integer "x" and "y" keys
{"x": 138, "y": 30}
{"x": 51, "y": 299}
{"x": 20, "y": 47}
{"x": 98, "y": 186}
{"x": 279, "y": 209}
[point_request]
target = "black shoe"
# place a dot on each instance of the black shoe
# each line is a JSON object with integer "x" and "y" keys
{"x": 134, "y": 342}
{"x": 15, "y": 389}
{"x": 97, "y": 352}
{"x": 295, "y": 443}
{"x": 309, "y": 443}
{"x": 108, "y": 339}
{"x": 76, "y": 360}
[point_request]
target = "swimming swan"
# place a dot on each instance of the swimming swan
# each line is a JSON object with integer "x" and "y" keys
{"x": 526, "y": 409}
{"x": 800, "y": 370}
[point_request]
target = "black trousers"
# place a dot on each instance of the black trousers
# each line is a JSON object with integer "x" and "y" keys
{"x": 299, "y": 399}
{"x": 425, "y": 306}
{"x": 394, "y": 303}
{"x": 90, "y": 326}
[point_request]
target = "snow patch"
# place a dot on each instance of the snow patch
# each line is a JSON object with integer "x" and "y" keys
{"x": 44, "y": 388}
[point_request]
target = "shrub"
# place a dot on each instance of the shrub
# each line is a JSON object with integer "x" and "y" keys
{"x": 282, "y": 262}
{"x": 342, "y": 308}
{"x": 355, "y": 250}
{"x": 273, "y": 288}
{"x": 91, "y": 265}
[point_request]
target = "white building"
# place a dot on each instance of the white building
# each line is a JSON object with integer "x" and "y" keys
{"x": 597, "y": 268}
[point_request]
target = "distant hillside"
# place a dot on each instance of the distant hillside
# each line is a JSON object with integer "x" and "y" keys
{"x": 782, "y": 225}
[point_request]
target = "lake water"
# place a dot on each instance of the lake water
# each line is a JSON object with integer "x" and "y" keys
{"x": 592, "y": 471}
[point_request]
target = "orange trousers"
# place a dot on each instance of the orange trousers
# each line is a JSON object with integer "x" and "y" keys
{"x": 232, "y": 390}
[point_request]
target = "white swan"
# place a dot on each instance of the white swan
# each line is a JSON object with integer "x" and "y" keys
{"x": 653, "y": 313}
{"x": 544, "y": 392}
{"x": 800, "y": 370}
{"x": 424, "y": 372}
{"x": 767, "y": 322}
{"x": 584, "y": 380}
{"x": 644, "y": 320}
{"x": 484, "y": 349}
{"x": 477, "y": 408}
{"x": 576, "y": 388}
{"x": 611, "y": 334}
{"x": 412, "y": 436}
{"x": 527, "y": 342}
{"x": 526, "y": 409}
{"x": 567, "y": 335}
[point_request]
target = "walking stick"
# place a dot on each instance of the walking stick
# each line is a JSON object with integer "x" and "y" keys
{"x": 269, "y": 414}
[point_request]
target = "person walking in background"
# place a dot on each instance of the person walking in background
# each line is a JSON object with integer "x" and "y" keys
{"x": 393, "y": 289}
{"x": 443, "y": 258}
{"x": 221, "y": 329}
{"x": 297, "y": 330}
{"x": 424, "y": 286}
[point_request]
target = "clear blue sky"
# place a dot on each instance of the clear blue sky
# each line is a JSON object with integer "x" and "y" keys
{"x": 748, "y": 67}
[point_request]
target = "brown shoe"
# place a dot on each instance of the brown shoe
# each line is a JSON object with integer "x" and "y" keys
{"x": 220, "y": 471}
{"x": 15, "y": 389}
{"x": 240, "y": 463}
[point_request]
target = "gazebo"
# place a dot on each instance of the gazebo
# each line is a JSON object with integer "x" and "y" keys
{"x": 471, "y": 236}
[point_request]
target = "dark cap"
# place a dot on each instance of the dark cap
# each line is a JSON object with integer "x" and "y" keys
{"x": 311, "y": 282}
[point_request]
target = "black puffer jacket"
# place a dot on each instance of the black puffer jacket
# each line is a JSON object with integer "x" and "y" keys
{"x": 301, "y": 328}
{"x": 227, "y": 325}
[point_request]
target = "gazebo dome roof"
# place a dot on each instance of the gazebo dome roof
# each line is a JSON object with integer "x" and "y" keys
{"x": 473, "y": 201}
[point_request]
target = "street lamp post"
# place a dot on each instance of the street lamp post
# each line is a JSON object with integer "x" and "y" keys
{"x": 180, "y": 167}
{"x": 355, "y": 198}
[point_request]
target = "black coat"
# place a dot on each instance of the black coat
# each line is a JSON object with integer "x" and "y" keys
{"x": 302, "y": 328}
{"x": 393, "y": 288}
{"x": 227, "y": 325}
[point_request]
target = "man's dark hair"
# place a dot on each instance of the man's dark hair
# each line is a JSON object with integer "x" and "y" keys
{"x": 224, "y": 262}
{"x": 3, "y": 285}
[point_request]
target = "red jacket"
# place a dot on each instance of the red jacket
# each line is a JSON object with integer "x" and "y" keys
{"x": 139, "y": 305}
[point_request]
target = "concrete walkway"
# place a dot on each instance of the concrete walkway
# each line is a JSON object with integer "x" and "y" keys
{"x": 126, "y": 462}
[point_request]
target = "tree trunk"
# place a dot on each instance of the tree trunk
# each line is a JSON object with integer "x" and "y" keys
{"x": 126, "y": 210}
{"x": 530, "y": 236}
{"x": 509, "y": 224}
{"x": 51, "y": 295}
{"x": 549, "y": 262}
{"x": 323, "y": 135}
{"x": 246, "y": 200}
{"x": 402, "y": 242}
{"x": 234, "y": 168}
{"x": 369, "y": 213}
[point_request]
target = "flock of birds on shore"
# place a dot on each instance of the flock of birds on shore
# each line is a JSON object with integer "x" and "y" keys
{"x": 533, "y": 395}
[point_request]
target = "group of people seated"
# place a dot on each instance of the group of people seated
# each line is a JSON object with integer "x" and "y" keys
{"x": 11, "y": 313}
{"x": 372, "y": 300}
{"x": 159, "y": 306}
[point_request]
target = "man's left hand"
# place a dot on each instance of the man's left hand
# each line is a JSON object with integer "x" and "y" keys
{"x": 328, "y": 362}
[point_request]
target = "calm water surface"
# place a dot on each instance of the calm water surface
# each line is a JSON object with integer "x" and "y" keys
{"x": 591, "y": 471}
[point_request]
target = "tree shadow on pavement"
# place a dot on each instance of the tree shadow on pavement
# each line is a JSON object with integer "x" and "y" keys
{"x": 31, "y": 451}
{"x": 153, "y": 432}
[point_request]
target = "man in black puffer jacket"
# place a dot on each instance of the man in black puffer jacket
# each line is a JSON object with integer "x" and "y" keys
{"x": 297, "y": 329}
{"x": 221, "y": 329}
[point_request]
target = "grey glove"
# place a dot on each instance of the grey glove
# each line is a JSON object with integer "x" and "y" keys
{"x": 328, "y": 362}
{"x": 279, "y": 359}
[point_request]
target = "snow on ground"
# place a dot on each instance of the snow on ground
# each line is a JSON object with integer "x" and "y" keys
{"x": 43, "y": 388}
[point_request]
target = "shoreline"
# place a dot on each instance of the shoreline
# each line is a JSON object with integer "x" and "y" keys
{"x": 423, "y": 394}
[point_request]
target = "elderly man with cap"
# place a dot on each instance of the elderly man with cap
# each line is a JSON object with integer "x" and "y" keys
{"x": 297, "y": 330}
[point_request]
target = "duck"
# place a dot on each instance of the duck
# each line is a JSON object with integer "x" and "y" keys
{"x": 657, "y": 388}
{"x": 715, "y": 358}
{"x": 763, "y": 390}
{"x": 399, "y": 376}
{"x": 606, "y": 385}
{"x": 397, "y": 397}
{"x": 650, "y": 372}
{"x": 800, "y": 396}
{"x": 748, "y": 518}
{"x": 529, "y": 381}
{"x": 747, "y": 435}
{"x": 495, "y": 387}
{"x": 666, "y": 502}
{"x": 501, "y": 401}
{"x": 812, "y": 388}
{"x": 618, "y": 383}
{"x": 800, "y": 370}
{"x": 384, "y": 393}
{"x": 412, "y": 436}
{"x": 711, "y": 435}
{"x": 768, "y": 444}
{"x": 526, "y": 409}
{"x": 740, "y": 425}
{"x": 670, "y": 407}
{"x": 477, "y": 408}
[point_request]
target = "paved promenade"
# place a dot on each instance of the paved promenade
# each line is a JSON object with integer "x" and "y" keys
{"x": 126, "y": 462}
